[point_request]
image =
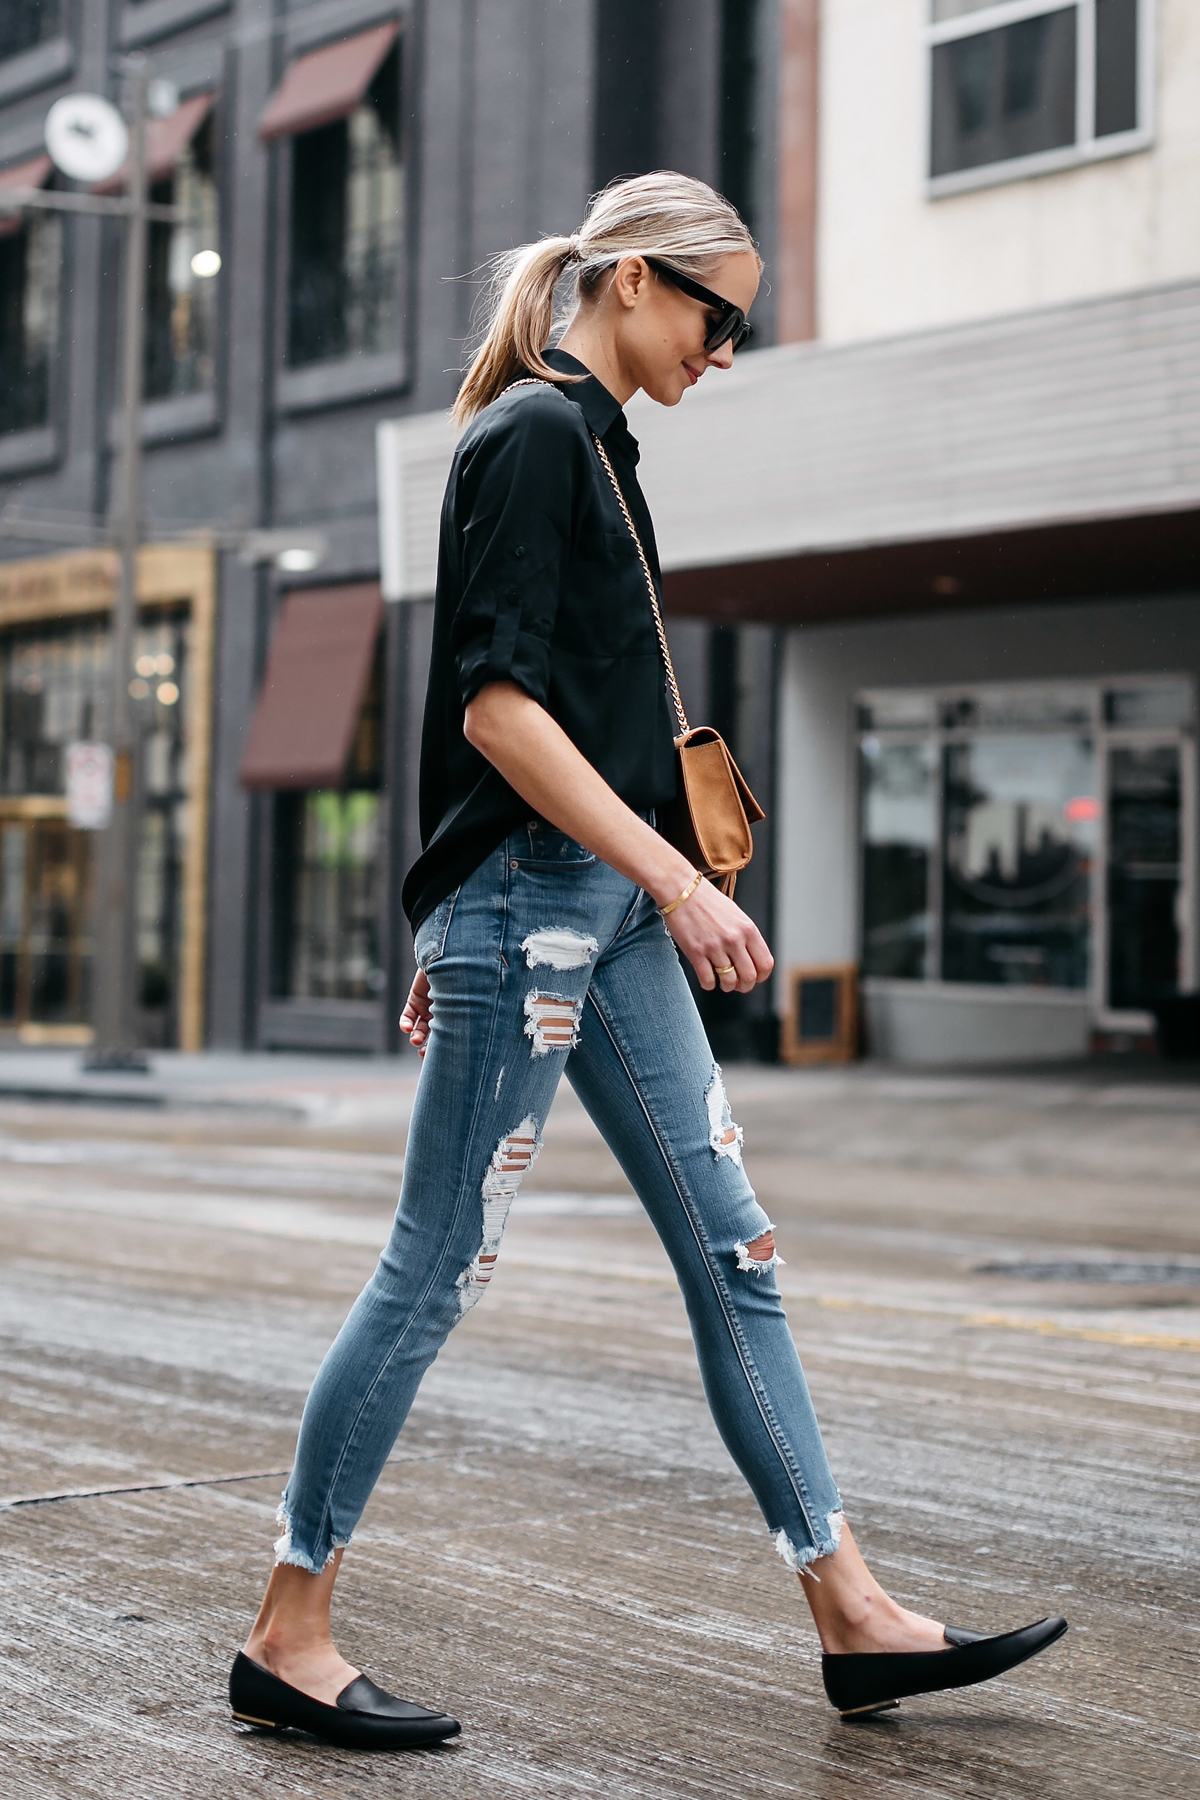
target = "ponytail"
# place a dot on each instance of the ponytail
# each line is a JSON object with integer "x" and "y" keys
{"x": 675, "y": 217}
{"x": 522, "y": 320}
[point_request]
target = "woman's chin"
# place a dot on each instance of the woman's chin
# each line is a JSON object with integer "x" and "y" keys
{"x": 670, "y": 390}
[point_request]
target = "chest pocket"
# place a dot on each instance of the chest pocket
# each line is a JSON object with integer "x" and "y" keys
{"x": 605, "y": 610}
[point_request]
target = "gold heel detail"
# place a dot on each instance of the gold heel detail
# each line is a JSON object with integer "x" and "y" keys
{"x": 860, "y": 1712}
{"x": 248, "y": 1719}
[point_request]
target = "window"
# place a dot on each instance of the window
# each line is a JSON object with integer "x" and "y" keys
{"x": 30, "y": 258}
{"x": 346, "y": 231}
{"x": 182, "y": 280}
{"x": 328, "y": 870}
{"x": 54, "y": 691}
{"x": 1028, "y": 837}
{"x": 24, "y": 24}
{"x": 1018, "y": 89}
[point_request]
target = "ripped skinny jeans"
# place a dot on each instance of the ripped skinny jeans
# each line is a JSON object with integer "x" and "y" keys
{"x": 544, "y": 962}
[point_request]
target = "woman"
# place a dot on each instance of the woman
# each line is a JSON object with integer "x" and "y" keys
{"x": 548, "y": 913}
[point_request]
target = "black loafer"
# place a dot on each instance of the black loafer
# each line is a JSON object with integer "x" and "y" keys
{"x": 364, "y": 1717}
{"x": 858, "y": 1684}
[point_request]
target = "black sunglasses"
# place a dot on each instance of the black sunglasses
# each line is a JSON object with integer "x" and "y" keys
{"x": 732, "y": 326}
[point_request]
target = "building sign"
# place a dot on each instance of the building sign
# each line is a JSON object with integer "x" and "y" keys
{"x": 89, "y": 786}
{"x": 81, "y": 582}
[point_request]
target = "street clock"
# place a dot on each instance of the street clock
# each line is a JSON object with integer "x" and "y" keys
{"x": 86, "y": 137}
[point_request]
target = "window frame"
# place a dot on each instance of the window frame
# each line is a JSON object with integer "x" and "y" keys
{"x": 42, "y": 64}
{"x": 1087, "y": 148}
{"x": 35, "y": 448}
{"x": 175, "y": 418}
{"x": 356, "y": 376}
{"x": 1105, "y": 735}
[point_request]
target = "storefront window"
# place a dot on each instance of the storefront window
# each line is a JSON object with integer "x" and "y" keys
{"x": 328, "y": 869}
{"x": 54, "y": 691}
{"x": 1145, "y": 871}
{"x": 1028, "y": 836}
{"x": 899, "y": 839}
{"x": 335, "y": 874}
{"x": 1018, "y": 850}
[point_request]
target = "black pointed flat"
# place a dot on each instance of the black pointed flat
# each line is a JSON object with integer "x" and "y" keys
{"x": 858, "y": 1684}
{"x": 363, "y": 1718}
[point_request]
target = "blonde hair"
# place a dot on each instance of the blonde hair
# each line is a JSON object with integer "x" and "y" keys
{"x": 672, "y": 216}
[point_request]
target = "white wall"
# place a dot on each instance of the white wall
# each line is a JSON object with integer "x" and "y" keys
{"x": 817, "y": 914}
{"x": 891, "y": 260}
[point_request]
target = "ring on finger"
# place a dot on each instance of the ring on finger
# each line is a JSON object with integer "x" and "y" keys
{"x": 728, "y": 969}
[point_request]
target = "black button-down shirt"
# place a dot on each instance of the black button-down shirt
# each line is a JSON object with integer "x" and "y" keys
{"x": 539, "y": 583}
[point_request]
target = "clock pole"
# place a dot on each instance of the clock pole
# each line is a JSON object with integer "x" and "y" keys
{"x": 115, "y": 958}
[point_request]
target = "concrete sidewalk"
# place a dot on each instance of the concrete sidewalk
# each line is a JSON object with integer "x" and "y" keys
{"x": 332, "y": 1089}
{"x": 312, "y": 1088}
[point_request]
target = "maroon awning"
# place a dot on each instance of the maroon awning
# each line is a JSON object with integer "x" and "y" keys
{"x": 32, "y": 174}
{"x": 327, "y": 84}
{"x": 316, "y": 677}
{"x": 166, "y": 141}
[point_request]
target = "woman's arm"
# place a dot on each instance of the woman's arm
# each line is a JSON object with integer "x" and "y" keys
{"x": 538, "y": 759}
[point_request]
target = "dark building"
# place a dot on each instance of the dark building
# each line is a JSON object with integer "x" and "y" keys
{"x": 343, "y": 167}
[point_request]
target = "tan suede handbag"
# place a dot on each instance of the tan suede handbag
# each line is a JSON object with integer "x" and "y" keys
{"x": 714, "y": 809}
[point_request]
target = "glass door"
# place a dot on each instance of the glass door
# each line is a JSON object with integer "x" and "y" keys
{"x": 1146, "y": 925}
{"x": 45, "y": 941}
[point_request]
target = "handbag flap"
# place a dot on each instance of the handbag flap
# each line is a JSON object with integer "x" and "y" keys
{"x": 714, "y": 790}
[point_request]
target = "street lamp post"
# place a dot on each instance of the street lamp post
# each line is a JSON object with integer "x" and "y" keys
{"x": 115, "y": 960}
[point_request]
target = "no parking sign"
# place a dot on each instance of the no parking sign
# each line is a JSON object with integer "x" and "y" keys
{"x": 89, "y": 785}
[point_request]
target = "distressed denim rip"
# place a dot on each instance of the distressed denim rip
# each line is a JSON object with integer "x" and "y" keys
{"x": 544, "y": 962}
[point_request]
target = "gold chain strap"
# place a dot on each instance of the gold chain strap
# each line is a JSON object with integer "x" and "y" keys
{"x": 672, "y": 683}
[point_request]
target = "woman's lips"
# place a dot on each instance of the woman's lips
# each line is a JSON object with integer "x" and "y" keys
{"x": 691, "y": 374}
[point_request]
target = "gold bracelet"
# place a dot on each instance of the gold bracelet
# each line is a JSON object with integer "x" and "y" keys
{"x": 687, "y": 893}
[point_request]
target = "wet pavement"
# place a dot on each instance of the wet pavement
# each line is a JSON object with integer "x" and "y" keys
{"x": 995, "y": 1285}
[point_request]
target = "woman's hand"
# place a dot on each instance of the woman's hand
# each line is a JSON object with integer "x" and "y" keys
{"x": 723, "y": 945}
{"x": 417, "y": 1016}
{"x": 537, "y": 758}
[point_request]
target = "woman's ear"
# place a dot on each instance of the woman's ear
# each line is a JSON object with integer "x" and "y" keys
{"x": 629, "y": 279}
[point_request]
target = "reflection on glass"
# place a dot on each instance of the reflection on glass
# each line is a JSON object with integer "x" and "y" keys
{"x": 1003, "y": 93}
{"x": 899, "y": 832}
{"x": 1144, "y": 857}
{"x": 55, "y": 691}
{"x": 1034, "y": 708}
{"x": 334, "y": 937}
{"x": 347, "y": 230}
{"x": 1017, "y": 863}
{"x": 1157, "y": 703}
{"x": 901, "y": 707}
{"x": 30, "y": 266}
{"x": 26, "y": 23}
{"x": 181, "y": 303}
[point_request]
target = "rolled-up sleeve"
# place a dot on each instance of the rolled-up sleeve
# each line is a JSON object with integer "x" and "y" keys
{"x": 515, "y": 509}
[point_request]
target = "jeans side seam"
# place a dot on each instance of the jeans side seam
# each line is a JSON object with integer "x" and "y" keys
{"x": 417, "y": 1309}
{"x": 749, "y": 1369}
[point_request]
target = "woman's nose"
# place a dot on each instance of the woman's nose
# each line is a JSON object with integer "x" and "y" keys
{"x": 721, "y": 357}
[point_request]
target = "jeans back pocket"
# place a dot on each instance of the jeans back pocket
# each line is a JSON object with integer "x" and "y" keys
{"x": 429, "y": 942}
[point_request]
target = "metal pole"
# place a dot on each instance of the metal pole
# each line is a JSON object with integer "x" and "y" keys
{"x": 115, "y": 962}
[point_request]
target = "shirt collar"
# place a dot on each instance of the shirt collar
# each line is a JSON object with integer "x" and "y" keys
{"x": 593, "y": 399}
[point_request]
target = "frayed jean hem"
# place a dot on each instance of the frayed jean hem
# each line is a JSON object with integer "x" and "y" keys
{"x": 798, "y": 1557}
{"x": 289, "y": 1554}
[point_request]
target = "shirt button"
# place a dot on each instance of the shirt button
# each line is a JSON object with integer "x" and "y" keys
{"x": 520, "y": 550}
